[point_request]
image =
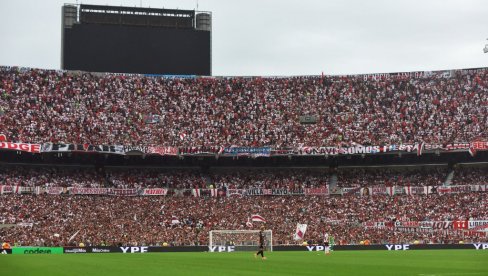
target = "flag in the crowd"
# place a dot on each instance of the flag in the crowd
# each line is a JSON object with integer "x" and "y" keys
{"x": 182, "y": 135}
{"x": 300, "y": 231}
{"x": 214, "y": 192}
{"x": 390, "y": 190}
{"x": 257, "y": 218}
{"x": 73, "y": 236}
{"x": 175, "y": 220}
{"x": 249, "y": 223}
{"x": 195, "y": 192}
{"x": 420, "y": 149}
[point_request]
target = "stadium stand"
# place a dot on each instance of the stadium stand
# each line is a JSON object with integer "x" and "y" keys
{"x": 151, "y": 221}
{"x": 205, "y": 114}
{"x": 41, "y": 106}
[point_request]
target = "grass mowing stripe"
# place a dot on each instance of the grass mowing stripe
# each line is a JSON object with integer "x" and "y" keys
{"x": 420, "y": 262}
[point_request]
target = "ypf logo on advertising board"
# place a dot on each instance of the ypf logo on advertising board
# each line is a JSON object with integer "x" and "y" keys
{"x": 480, "y": 246}
{"x": 221, "y": 248}
{"x": 316, "y": 248}
{"x": 397, "y": 247}
{"x": 134, "y": 249}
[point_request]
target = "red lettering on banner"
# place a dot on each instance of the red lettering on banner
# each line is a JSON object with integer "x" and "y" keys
{"x": 35, "y": 148}
{"x": 156, "y": 191}
{"x": 163, "y": 150}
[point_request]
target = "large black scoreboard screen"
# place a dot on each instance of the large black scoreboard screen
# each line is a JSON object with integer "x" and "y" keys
{"x": 136, "y": 40}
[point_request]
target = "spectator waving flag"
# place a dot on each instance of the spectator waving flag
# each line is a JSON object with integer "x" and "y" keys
{"x": 73, "y": 236}
{"x": 257, "y": 218}
{"x": 249, "y": 223}
{"x": 300, "y": 231}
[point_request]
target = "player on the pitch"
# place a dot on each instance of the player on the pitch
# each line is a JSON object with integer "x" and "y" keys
{"x": 326, "y": 244}
{"x": 261, "y": 244}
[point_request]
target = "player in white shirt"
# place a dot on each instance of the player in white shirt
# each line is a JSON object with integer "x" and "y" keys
{"x": 326, "y": 244}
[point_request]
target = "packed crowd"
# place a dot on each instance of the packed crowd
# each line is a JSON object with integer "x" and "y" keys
{"x": 270, "y": 179}
{"x": 390, "y": 177}
{"x": 153, "y": 178}
{"x": 54, "y": 106}
{"x": 187, "y": 220}
{"x": 463, "y": 176}
{"x": 290, "y": 179}
{"x": 50, "y": 177}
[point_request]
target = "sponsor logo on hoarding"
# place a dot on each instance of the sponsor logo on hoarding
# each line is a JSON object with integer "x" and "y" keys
{"x": 221, "y": 248}
{"x": 134, "y": 249}
{"x": 37, "y": 250}
{"x": 481, "y": 246}
{"x": 74, "y": 250}
{"x": 100, "y": 250}
{"x": 316, "y": 248}
{"x": 398, "y": 246}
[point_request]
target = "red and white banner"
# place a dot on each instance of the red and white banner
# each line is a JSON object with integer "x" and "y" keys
{"x": 300, "y": 231}
{"x": 257, "y": 218}
{"x": 6, "y": 189}
{"x": 162, "y": 150}
{"x": 236, "y": 192}
{"x": 477, "y": 224}
{"x": 88, "y": 191}
{"x": 477, "y": 146}
{"x": 123, "y": 192}
{"x": 23, "y": 190}
{"x": 317, "y": 191}
{"x": 34, "y": 148}
{"x": 50, "y": 190}
{"x": 155, "y": 191}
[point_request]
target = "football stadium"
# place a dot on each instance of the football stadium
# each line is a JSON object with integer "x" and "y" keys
{"x": 154, "y": 148}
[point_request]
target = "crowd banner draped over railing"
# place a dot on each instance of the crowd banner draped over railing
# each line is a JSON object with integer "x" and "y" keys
{"x": 253, "y": 152}
{"x": 410, "y": 190}
{"x": 413, "y": 226}
{"x": 34, "y": 148}
{"x": 220, "y": 192}
{"x": 248, "y": 151}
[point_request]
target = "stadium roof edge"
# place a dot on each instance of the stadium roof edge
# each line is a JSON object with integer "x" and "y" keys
{"x": 405, "y": 73}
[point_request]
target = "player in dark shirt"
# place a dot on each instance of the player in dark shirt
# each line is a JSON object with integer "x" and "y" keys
{"x": 261, "y": 244}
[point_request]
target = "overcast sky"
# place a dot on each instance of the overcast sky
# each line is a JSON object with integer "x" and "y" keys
{"x": 283, "y": 37}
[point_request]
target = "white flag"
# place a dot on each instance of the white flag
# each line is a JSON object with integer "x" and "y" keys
{"x": 300, "y": 231}
{"x": 74, "y": 235}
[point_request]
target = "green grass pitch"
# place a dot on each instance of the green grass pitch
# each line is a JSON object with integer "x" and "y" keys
{"x": 424, "y": 262}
